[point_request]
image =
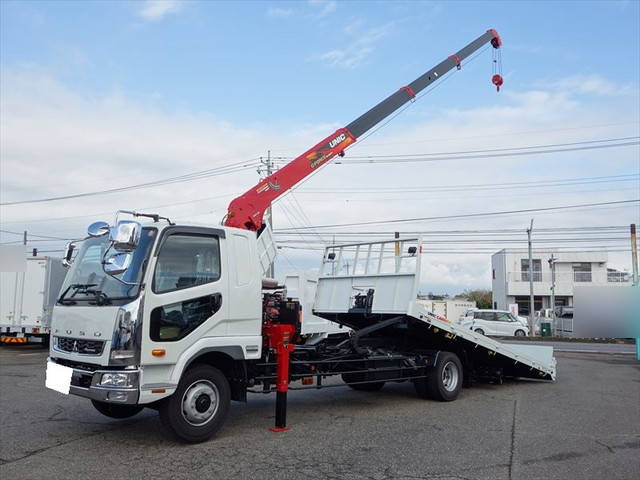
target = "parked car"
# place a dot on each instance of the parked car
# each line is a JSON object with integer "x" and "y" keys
{"x": 496, "y": 322}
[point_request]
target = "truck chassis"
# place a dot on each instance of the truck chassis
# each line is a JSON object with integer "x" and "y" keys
{"x": 387, "y": 343}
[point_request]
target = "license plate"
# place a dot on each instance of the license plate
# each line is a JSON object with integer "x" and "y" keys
{"x": 58, "y": 377}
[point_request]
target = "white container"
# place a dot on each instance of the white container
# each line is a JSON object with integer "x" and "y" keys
{"x": 450, "y": 309}
{"x": 27, "y": 299}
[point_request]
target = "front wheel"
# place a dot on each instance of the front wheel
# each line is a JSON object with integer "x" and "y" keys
{"x": 199, "y": 406}
{"x": 114, "y": 410}
{"x": 444, "y": 380}
{"x": 520, "y": 333}
{"x": 479, "y": 330}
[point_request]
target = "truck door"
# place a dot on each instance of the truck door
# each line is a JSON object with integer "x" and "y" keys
{"x": 187, "y": 291}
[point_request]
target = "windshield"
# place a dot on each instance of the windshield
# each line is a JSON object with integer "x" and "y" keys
{"x": 86, "y": 271}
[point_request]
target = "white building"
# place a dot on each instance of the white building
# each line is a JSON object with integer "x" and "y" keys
{"x": 510, "y": 276}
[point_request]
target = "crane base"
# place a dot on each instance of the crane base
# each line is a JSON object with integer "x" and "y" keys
{"x": 279, "y": 429}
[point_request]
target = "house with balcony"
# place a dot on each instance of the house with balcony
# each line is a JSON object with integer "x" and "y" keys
{"x": 510, "y": 271}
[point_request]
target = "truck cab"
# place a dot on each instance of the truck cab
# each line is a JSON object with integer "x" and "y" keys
{"x": 173, "y": 294}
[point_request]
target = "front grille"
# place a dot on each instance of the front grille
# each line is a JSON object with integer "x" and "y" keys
{"x": 76, "y": 345}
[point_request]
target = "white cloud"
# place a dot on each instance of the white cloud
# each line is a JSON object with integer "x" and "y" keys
{"x": 324, "y": 7}
{"x": 56, "y": 141}
{"x": 154, "y": 10}
{"x": 360, "y": 46}
{"x": 275, "y": 12}
{"x": 593, "y": 84}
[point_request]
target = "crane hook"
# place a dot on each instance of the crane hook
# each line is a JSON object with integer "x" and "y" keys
{"x": 497, "y": 81}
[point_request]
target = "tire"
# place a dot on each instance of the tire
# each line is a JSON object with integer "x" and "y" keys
{"x": 479, "y": 330}
{"x": 444, "y": 380}
{"x": 114, "y": 410}
{"x": 520, "y": 333}
{"x": 199, "y": 406}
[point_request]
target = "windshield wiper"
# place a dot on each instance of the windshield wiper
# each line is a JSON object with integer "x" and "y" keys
{"x": 101, "y": 297}
{"x": 77, "y": 287}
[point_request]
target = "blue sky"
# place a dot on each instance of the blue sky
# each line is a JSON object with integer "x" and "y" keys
{"x": 263, "y": 62}
{"x": 141, "y": 91}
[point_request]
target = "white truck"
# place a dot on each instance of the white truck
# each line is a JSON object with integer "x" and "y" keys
{"x": 27, "y": 298}
{"x": 179, "y": 318}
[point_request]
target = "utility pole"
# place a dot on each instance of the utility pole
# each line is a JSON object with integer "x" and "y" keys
{"x": 266, "y": 169}
{"x": 397, "y": 251}
{"x": 634, "y": 266}
{"x": 634, "y": 254}
{"x": 552, "y": 264}
{"x": 531, "y": 313}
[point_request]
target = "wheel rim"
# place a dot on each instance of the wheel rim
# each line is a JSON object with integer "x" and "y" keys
{"x": 519, "y": 333}
{"x": 450, "y": 376}
{"x": 200, "y": 403}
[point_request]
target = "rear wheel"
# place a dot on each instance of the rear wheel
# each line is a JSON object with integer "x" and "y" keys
{"x": 362, "y": 387}
{"x": 444, "y": 380}
{"x": 199, "y": 406}
{"x": 114, "y": 410}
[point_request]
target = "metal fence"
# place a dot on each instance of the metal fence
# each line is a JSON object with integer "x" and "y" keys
{"x": 567, "y": 277}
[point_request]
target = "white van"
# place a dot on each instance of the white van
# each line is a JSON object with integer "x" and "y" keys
{"x": 495, "y": 322}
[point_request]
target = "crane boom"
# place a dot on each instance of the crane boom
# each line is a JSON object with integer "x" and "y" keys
{"x": 247, "y": 210}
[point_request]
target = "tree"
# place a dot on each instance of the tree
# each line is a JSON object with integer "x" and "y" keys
{"x": 433, "y": 296}
{"x": 483, "y": 298}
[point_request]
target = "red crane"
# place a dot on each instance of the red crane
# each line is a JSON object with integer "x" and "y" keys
{"x": 247, "y": 210}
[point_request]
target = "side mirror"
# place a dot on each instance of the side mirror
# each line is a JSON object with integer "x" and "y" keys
{"x": 117, "y": 264}
{"x": 125, "y": 236}
{"x": 68, "y": 253}
{"x": 97, "y": 229}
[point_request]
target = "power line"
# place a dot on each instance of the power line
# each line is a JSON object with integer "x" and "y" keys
{"x": 470, "y": 215}
{"x": 476, "y": 250}
{"x": 549, "y": 230}
{"x": 489, "y": 150}
{"x": 222, "y": 170}
{"x": 505, "y": 134}
{"x": 481, "y": 186}
{"x": 424, "y": 158}
{"x": 483, "y": 136}
{"x": 33, "y": 235}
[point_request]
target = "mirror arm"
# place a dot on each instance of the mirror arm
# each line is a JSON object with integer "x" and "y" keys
{"x": 104, "y": 256}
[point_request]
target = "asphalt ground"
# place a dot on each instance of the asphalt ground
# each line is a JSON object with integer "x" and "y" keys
{"x": 584, "y": 426}
{"x": 583, "y": 347}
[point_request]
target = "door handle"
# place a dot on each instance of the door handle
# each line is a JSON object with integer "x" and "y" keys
{"x": 216, "y": 302}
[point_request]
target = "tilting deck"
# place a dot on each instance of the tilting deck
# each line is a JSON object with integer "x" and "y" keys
{"x": 519, "y": 360}
{"x": 362, "y": 284}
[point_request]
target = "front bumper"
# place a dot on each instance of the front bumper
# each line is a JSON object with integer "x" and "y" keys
{"x": 85, "y": 382}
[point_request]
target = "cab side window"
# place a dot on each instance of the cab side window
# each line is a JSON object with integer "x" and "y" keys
{"x": 503, "y": 317}
{"x": 177, "y": 320}
{"x": 187, "y": 260}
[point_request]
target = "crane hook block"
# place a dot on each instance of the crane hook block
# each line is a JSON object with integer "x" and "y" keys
{"x": 497, "y": 81}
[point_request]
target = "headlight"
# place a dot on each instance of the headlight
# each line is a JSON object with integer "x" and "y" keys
{"x": 117, "y": 380}
{"x": 123, "y": 348}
